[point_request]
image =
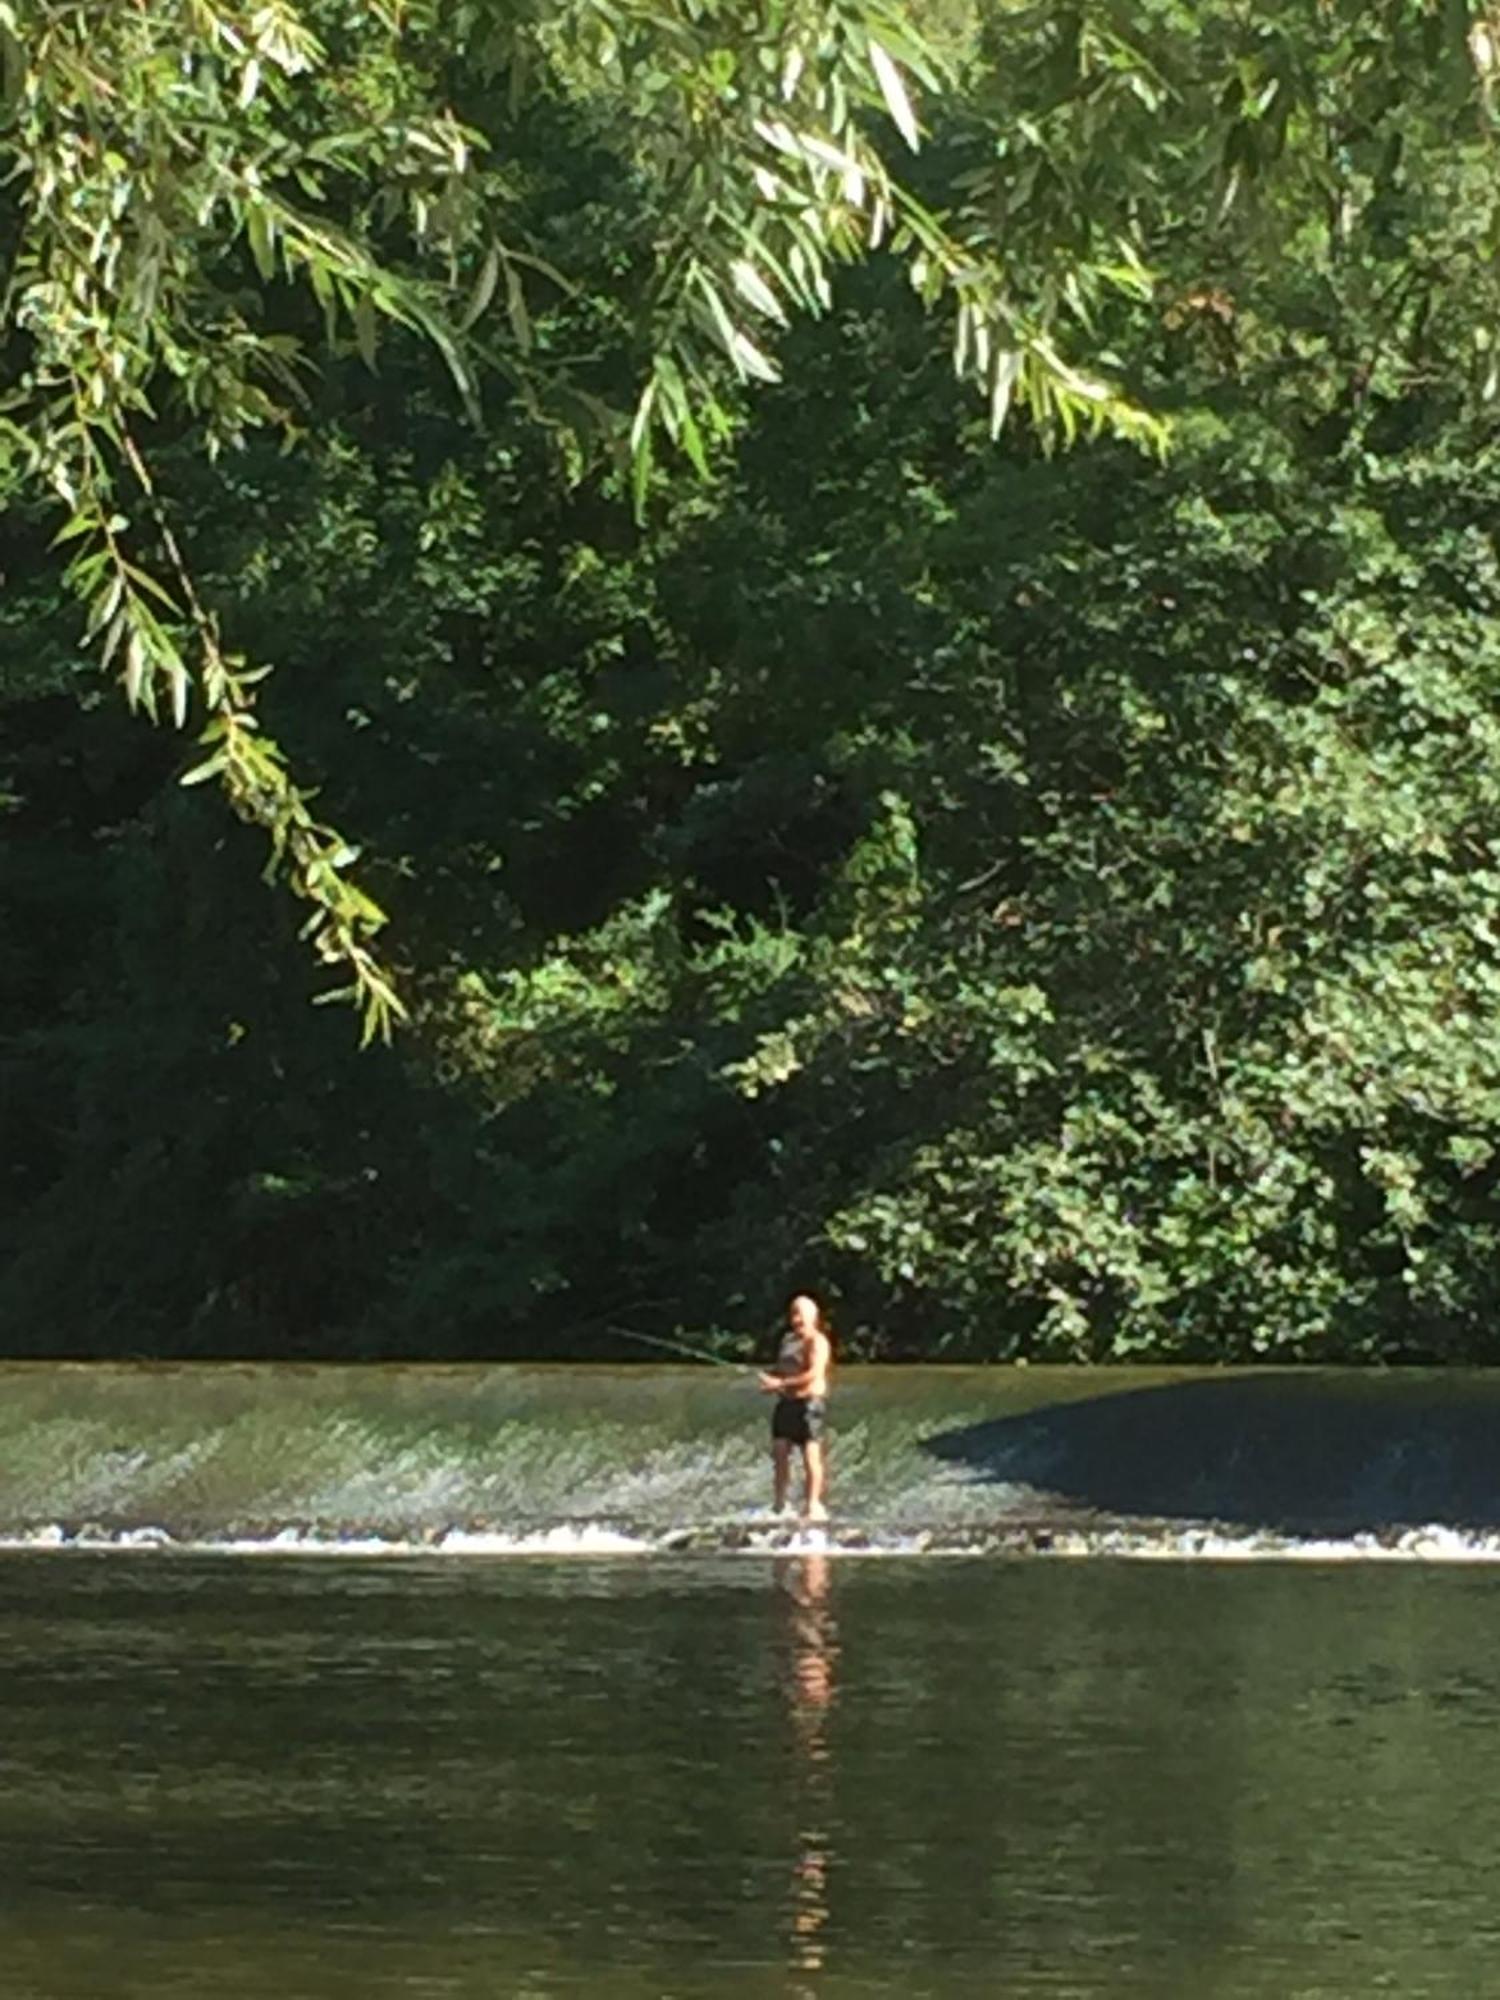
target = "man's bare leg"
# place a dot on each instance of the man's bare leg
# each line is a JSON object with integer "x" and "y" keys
{"x": 781, "y": 1469}
{"x": 815, "y": 1480}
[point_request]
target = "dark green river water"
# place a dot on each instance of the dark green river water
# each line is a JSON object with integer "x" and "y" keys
{"x": 342, "y": 1779}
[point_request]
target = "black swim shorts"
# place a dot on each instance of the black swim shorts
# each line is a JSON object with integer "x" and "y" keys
{"x": 799, "y": 1419}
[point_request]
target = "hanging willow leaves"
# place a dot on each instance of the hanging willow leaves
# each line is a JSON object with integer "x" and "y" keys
{"x": 144, "y": 146}
{"x": 174, "y": 172}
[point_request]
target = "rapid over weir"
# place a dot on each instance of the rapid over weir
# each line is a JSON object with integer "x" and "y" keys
{"x": 649, "y": 1460}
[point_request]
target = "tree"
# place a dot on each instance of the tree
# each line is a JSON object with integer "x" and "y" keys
{"x": 171, "y": 170}
{"x": 1051, "y": 893}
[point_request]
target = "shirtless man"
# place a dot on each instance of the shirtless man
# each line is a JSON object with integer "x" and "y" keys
{"x": 799, "y": 1382}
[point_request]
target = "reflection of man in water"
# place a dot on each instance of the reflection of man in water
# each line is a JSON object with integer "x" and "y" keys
{"x": 805, "y": 1581}
{"x": 799, "y": 1382}
{"x": 809, "y": 1685}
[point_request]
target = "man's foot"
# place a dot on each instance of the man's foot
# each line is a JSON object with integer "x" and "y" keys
{"x": 816, "y": 1511}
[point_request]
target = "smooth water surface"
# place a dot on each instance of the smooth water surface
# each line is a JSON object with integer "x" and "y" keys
{"x": 281, "y": 1779}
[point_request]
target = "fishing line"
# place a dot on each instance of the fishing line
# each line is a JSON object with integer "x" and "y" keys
{"x": 682, "y": 1347}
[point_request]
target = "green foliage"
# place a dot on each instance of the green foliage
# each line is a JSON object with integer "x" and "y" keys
{"x": 1044, "y": 902}
{"x": 143, "y": 147}
{"x": 1240, "y": 1110}
{"x": 174, "y": 170}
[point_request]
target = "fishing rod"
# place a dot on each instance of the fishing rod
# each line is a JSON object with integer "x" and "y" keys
{"x": 681, "y": 1347}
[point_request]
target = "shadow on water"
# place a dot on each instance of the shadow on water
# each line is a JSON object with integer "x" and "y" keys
{"x": 1305, "y": 1453}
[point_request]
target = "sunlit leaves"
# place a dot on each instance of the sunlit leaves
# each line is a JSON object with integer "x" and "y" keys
{"x": 893, "y": 89}
{"x": 775, "y": 172}
{"x": 142, "y": 145}
{"x": 181, "y": 173}
{"x": 176, "y": 167}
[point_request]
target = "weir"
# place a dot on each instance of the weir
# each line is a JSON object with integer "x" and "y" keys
{"x": 650, "y": 1459}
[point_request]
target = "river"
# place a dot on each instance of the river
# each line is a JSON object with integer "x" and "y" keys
{"x": 488, "y": 1684}
{"x": 722, "y": 1776}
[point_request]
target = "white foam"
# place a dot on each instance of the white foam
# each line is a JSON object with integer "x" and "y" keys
{"x": 762, "y": 1535}
{"x": 567, "y": 1538}
{"x": 296, "y": 1542}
